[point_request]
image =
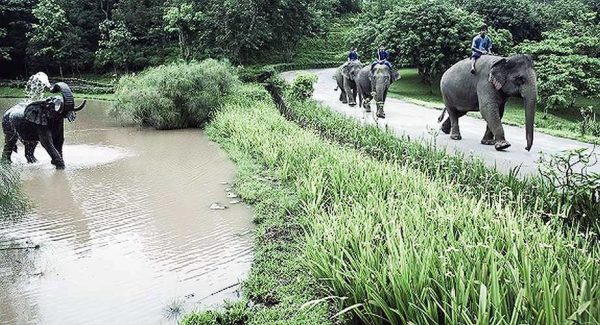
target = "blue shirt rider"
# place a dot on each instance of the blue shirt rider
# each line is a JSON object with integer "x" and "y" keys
{"x": 482, "y": 45}
{"x": 382, "y": 58}
{"x": 353, "y": 55}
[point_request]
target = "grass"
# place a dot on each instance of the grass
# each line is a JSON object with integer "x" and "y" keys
{"x": 8, "y": 92}
{"x": 562, "y": 123}
{"x": 12, "y": 200}
{"x": 279, "y": 283}
{"x": 394, "y": 245}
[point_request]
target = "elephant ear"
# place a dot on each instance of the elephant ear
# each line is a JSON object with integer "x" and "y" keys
{"x": 37, "y": 112}
{"x": 499, "y": 73}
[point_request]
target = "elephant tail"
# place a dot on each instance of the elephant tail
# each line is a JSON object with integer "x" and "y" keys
{"x": 336, "y": 88}
{"x": 442, "y": 116}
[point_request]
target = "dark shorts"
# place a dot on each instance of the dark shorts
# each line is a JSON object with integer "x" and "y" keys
{"x": 475, "y": 55}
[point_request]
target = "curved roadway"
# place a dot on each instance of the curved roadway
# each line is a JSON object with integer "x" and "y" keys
{"x": 420, "y": 122}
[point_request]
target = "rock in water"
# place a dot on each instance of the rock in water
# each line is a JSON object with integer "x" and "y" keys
{"x": 217, "y": 206}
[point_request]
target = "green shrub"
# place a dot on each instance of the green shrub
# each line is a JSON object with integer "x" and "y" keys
{"x": 174, "y": 96}
{"x": 12, "y": 199}
{"x": 303, "y": 86}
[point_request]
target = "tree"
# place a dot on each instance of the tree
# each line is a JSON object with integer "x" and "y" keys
{"x": 428, "y": 35}
{"x": 51, "y": 37}
{"x": 567, "y": 62}
{"x": 4, "y": 50}
{"x": 115, "y": 46}
{"x": 15, "y": 21}
{"x": 521, "y": 17}
{"x": 183, "y": 18}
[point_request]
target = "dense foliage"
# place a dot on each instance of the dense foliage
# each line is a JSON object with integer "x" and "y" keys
{"x": 567, "y": 62}
{"x": 79, "y": 36}
{"x": 173, "y": 96}
{"x": 563, "y": 36}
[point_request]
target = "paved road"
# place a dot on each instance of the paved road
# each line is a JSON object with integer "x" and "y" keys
{"x": 420, "y": 122}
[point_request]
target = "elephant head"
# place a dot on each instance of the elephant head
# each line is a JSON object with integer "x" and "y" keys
{"x": 514, "y": 76}
{"x": 382, "y": 77}
{"x": 53, "y": 108}
{"x": 351, "y": 70}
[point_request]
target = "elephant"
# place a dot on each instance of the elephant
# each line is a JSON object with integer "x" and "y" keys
{"x": 383, "y": 76}
{"x": 495, "y": 81}
{"x": 345, "y": 77}
{"x": 40, "y": 121}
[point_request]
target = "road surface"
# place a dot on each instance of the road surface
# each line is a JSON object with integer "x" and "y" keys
{"x": 419, "y": 122}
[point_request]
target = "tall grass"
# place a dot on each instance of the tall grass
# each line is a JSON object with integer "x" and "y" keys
{"x": 12, "y": 199}
{"x": 402, "y": 247}
{"x": 174, "y": 96}
{"x": 468, "y": 175}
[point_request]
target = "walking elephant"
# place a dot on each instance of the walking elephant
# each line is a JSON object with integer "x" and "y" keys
{"x": 40, "y": 121}
{"x": 345, "y": 77}
{"x": 496, "y": 80}
{"x": 378, "y": 80}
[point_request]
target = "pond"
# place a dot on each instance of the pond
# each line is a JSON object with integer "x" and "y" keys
{"x": 125, "y": 233}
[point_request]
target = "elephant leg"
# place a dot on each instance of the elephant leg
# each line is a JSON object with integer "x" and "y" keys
{"x": 59, "y": 140}
{"x": 488, "y": 137}
{"x": 454, "y": 128}
{"x": 47, "y": 143}
{"x": 447, "y": 125}
{"x": 343, "y": 97}
{"x": 491, "y": 114}
{"x": 30, "y": 150}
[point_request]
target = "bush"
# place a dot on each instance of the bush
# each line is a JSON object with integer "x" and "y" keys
{"x": 174, "y": 96}
{"x": 303, "y": 86}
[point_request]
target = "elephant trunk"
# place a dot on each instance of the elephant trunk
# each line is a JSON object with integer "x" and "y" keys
{"x": 530, "y": 99}
{"x": 380, "y": 93}
{"x": 69, "y": 100}
{"x": 80, "y": 107}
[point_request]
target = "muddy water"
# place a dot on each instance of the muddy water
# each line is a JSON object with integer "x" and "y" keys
{"x": 125, "y": 233}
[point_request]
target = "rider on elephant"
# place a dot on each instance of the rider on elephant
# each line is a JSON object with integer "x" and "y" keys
{"x": 352, "y": 55}
{"x": 382, "y": 58}
{"x": 482, "y": 45}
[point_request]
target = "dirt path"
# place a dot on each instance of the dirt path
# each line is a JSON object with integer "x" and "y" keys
{"x": 421, "y": 122}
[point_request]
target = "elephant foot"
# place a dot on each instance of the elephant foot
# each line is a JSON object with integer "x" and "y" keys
{"x": 380, "y": 113}
{"x": 58, "y": 164}
{"x": 501, "y": 145}
{"x": 446, "y": 127}
{"x": 352, "y": 104}
{"x": 455, "y": 137}
{"x": 344, "y": 102}
{"x": 31, "y": 160}
{"x": 368, "y": 109}
{"x": 488, "y": 142}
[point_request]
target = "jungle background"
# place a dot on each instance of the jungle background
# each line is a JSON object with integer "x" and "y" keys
{"x": 100, "y": 40}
